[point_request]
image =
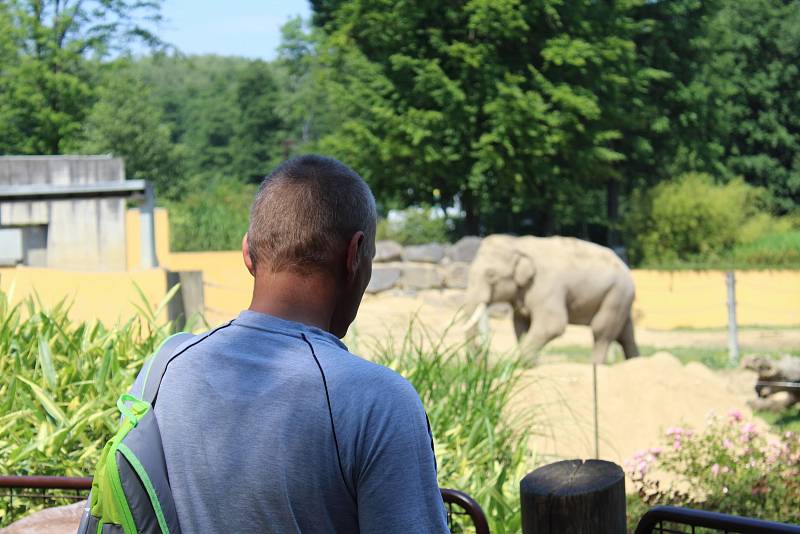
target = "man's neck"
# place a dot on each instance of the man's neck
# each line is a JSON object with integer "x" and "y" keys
{"x": 308, "y": 299}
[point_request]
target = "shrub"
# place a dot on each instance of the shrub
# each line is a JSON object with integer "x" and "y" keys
{"x": 693, "y": 219}
{"x": 730, "y": 467}
{"x": 211, "y": 217}
{"x": 416, "y": 226}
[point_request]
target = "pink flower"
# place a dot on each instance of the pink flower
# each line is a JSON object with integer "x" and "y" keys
{"x": 748, "y": 431}
{"x": 728, "y": 444}
{"x": 655, "y": 451}
{"x": 735, "y": 415}
{"x": 677, "y": 445}
{"x": 715, "y": 469}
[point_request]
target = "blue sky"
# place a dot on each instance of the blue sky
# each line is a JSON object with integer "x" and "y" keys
{"x": 249, "y": 28}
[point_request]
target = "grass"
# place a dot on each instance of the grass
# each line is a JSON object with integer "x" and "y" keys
{"x": 712, "y": 357}
{"x": 59, "y": 381}
{"x": 787, "y": 420}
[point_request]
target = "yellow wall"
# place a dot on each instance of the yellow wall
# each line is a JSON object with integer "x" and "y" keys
{"x": 698, "y": 299}
{"x": 664, "y": 300}
{"x": 109, "y": 297}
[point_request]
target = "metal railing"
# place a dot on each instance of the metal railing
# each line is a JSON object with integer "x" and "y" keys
{"x": 674, "y": 520}
{"x": 463, "y": 513}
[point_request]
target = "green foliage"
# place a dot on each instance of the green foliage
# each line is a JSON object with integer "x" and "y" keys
{"x": 478, "y": 450}
{"x": 692, "y": 218}
{"x": 416, "y": 226}
{"x": 496, "y": 104}
{"x": 730, "y": 467}
{"x": 59, "y": 381}
{"x": 48, "y": 76}
{"x": 211, "y": 216}
{"x": 124, "y": 121}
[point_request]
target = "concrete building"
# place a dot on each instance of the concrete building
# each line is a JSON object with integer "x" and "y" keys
{"x": 67, "y": 233}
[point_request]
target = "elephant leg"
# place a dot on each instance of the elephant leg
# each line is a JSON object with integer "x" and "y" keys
{"x": 522, "y": 324}
{"x": 628, "y": 340}
{"x": 550, "y": 326}
{"x": 608, "y": 326}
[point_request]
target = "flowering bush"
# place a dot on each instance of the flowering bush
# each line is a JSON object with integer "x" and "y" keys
{"x": 730, "y": 467}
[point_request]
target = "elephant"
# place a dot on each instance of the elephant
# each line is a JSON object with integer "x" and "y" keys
{"x": 551, "y": 282}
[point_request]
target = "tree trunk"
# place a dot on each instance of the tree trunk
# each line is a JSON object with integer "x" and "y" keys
{"x": 471, "y": 220}
{"x": 612, "y": 212}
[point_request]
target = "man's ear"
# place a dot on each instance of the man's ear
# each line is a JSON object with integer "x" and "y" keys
{"x": 354, "y": 253}
{"x": 248, "y": 260}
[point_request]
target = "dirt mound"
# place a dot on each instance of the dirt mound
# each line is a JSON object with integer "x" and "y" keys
{"x": 638, "y": 400}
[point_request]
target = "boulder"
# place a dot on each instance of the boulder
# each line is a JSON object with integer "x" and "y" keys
{"x": 430, "y": 253}
{"x": 464, "y": 249}
{"x": 421, "y": 277}
{"x": 388, "y": 251}
{"x": 456, "y": 275}
{"x": 383, "y": 278}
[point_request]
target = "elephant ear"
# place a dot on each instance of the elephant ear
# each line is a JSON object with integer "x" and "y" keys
{"x": 524, "y": 271}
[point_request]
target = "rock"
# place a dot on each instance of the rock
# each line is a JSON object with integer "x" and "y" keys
{"x": 456, "y": 275}
{"x": 387, "y": 251}
{"x": 383, "y": 278}
{"x": 464, "y": 249}
{"x": 430, "y": 253}
{"x": 421, "y": 277}
{"x": 499, "y": 310}
{"x": 58, "y": 520}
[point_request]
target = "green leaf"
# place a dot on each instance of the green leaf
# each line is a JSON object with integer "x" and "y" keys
{"x": 46, "y": 363}
{"x": 46, "y": 401}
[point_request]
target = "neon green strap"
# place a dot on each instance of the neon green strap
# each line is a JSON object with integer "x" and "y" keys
{"x": 148, "y": 485}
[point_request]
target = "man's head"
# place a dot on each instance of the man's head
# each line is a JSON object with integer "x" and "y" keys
{"x": 314, "y": 216}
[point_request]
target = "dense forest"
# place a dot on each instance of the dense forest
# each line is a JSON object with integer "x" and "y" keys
{"x": 671, "y": 127}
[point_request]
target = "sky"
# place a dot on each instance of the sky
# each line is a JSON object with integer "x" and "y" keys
{"x": 249, "y": 28}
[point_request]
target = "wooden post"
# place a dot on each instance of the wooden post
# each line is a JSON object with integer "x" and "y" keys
{"x": 574, "y": 497}
{"x": 733, "y": 338}
{"x": 190, "y": 298}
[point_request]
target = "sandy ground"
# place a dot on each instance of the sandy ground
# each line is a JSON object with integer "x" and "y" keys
{"x": 389, "y": 315}
{"x": 638, "y": 399}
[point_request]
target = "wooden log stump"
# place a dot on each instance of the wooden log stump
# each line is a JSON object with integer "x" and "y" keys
{"x": 574, "y": 497}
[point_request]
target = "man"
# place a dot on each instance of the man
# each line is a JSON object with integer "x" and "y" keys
{"x": 270, "y": 424}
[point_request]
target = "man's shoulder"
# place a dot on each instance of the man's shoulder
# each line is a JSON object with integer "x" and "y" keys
{"x": 365, "y": 378}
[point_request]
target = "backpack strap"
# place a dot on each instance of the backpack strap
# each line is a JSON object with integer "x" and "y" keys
{"x": 173, "y": 347}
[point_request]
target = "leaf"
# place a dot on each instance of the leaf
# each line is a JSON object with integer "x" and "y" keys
{"x": 46, "y": 363}
{"x": 46, "y": 401}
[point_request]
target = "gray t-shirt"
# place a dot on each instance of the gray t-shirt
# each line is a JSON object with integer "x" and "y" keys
{"x": 252, "y": 446}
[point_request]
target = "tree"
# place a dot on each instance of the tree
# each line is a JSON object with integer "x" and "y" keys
{"x": 56, "y": 42}
{"x": 258, "y": 138}
{"x": 126, "y": 122}
{"x": 514, "y": 108}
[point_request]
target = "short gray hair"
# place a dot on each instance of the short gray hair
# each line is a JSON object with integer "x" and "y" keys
{"x": 306, "y": 211}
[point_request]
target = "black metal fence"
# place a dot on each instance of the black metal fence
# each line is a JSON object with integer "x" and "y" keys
{"x": 464, "y": 515}
{"x": 674, "y": 520}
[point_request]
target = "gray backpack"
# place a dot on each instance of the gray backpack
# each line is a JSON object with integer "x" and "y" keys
{"x": 130, "y": 490}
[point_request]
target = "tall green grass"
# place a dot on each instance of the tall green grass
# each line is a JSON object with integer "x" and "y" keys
{"x": 467, "y": 395}
{"x": 59, "y": 381}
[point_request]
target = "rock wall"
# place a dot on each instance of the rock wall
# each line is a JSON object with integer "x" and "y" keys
{"x": 416, "y": 267}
